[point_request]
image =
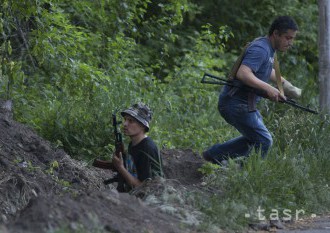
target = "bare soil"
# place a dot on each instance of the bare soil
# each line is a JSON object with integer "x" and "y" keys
{"x": 42, "y": 189}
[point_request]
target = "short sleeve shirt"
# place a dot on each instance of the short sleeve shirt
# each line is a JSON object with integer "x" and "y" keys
{"x": 146, "y": 159}
{"x": 259, "y": 57}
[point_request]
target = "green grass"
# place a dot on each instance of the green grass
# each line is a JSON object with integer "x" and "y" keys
{"x": 293, "y": 179}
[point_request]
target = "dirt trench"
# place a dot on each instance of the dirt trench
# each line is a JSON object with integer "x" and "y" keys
{"x": 42, "y": 189}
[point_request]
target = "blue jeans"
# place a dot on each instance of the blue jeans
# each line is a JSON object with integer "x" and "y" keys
{"x": 249, "y": 124}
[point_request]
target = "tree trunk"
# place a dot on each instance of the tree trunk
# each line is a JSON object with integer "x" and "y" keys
{"x": 324, "y": 54}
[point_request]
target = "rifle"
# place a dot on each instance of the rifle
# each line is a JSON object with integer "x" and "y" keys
{"x": 223, "y": 81}
{"x": 119, "y": 148}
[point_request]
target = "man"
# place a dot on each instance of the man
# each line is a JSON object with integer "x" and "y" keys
{"x": 143, "y": 159}
{"x": 237, "y": 105}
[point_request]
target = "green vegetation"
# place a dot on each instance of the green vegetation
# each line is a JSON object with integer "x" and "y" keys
{"x": 294, "y": 177}
{"x": 67, "y": 65}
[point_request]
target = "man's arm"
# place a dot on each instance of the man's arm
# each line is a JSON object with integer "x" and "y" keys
{"x": 119, "y": 165}
{"x": 289, "y": 90}
{"x": 246, "y": 75}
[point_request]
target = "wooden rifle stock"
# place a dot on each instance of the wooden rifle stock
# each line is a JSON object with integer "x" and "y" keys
{"x": 103, "y": 164}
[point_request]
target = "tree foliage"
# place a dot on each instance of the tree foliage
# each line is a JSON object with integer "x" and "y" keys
{"x": 69, "y": 64}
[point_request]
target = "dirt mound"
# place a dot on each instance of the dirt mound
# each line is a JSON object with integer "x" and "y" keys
{"x": 182, "y": 165}
{"x": 42, "y": 189}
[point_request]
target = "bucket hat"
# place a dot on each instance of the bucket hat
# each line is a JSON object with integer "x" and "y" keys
{"x": 140, "y": 112}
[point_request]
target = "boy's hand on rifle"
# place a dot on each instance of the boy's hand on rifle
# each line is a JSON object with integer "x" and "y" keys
{"x": 117, "y": 161}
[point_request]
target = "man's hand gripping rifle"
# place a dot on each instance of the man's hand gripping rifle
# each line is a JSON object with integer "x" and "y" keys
{"x": 119, "y": 148}
{"x": 221, "y": 81}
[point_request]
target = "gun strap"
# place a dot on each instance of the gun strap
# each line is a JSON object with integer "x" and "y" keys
{"x": 239, "y": 60}
{"x": 251, "y": 96}
{"x": 235, "y": 68}
{"x": 237, "y": 63}
{"x": 278, "y": 75}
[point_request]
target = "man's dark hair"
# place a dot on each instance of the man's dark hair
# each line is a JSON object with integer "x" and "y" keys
{"x": 282, "y": 24}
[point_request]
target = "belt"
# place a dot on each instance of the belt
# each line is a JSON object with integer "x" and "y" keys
{"x": 250, "y": 96}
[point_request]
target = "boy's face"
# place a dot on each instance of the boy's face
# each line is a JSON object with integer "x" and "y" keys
{"x": 132, "y": 127}
{"x": 284, "y": 41}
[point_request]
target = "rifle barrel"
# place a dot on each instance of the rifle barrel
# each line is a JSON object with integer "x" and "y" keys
{"x": 294, "y": 104}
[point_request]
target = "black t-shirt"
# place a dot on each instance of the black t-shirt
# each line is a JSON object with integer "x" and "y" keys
{"x": 146, "y": 158}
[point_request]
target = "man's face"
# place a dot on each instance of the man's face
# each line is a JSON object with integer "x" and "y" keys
{"x": 284, "y": 41}
{"x": 132, "y": 127}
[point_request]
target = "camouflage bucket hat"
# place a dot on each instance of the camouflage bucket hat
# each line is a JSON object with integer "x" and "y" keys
{"x": 140, "y": 112}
